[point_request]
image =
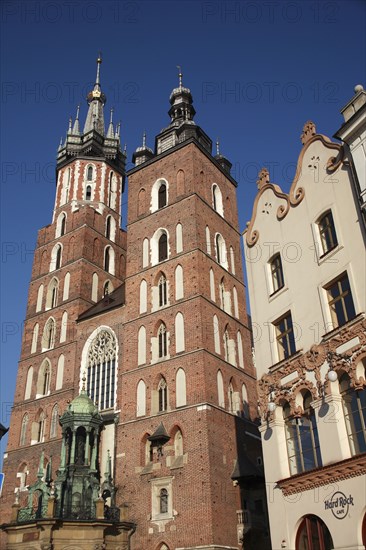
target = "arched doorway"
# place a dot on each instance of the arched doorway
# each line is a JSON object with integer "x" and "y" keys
{"x": 364, "y": 531}
{"x": 313, "y": 534}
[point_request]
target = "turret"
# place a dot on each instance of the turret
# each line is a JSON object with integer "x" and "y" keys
{"x": 182, "y": 126}
{"x": 92, "y": 141}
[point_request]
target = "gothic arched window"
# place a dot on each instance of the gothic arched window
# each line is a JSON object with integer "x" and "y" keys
{"x": 90, "y": 173}
{"x": 49, "y": 331}
{"x": 162, "y": 291}
{"x": 221, "y": 255}
{"x": 61, "y": 225}
{"x": 162, "y": 338}
{"x": 107, "y": 289}
{"x": 54, "y": 421}
{"x": 88, "y": 193}
{"x": 217, "y": 199}
{"x": 102, "y": 370}
{"x": 107, "y": 255}
{"x": 52, "y": 294}
{"x": 162, "y": 196}
{"x": 44, "y": 378}
{"x": 163, "y": 501}
{"x": 159, "y": 194}
{"x": 163, "y": 247}
{"x": 108, "y": 228}
{"x": 40, "y": 427}
{"x": 58, "y": 257}
{"x": 163, "y": 395}
{"x": 23, "y": 431}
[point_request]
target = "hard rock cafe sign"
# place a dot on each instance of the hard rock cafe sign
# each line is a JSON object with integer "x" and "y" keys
{"x": 339, "y": 504}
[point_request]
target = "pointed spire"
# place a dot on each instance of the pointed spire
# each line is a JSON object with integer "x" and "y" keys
{"x": 180, "y": 76}
{"x": 60, "y": 146}
{"x": 99, "y": 61}
{"x": 110, "y": 133}
{"x": 125, "y": 150}
{"x": 144, "y": 139}
{"x": 76, "y": 128}
{"x": 48, "y": 477}
{"x": 96, "y": 100}
{"x": 69, "y": 131}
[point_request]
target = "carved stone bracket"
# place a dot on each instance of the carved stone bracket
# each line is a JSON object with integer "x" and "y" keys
{"x": 270, "y": 387}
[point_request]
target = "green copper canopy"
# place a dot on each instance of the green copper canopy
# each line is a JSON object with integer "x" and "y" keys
{"x": 82, "y": 404}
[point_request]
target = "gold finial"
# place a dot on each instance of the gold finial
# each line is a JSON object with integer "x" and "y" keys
{"x": 99, "y": 61}
{"x": 83, "y": 381}
{"x": 180, "y": 76}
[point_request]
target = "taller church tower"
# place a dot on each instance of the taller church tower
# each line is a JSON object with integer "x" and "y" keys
{"x": 151, "y": 324}
{"x": 78, "y": 258}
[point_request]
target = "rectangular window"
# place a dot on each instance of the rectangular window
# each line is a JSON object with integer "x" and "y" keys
{"x": 340, "y": 301}
{"x": 285, "y": 336}
{"x": 276, "y": 273}
{"x": 328, "y": 236}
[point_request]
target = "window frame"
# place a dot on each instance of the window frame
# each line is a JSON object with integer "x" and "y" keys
{"x": 163, "y": 247}
{"x": 280, "y": 335}
{"x": 162, "y": 396}
{"x": 162, "y": 291}
{"x": 162, "y": 342}
{"x": 100, "y": 357}
{"x": 157, "y": 485}
{"x": 277, "y": 279}
{"x": 326, "y": 232}
{"x": 354, "y": 412}
{"x": 348, "y": 308}
{"x": 297, "y": 436}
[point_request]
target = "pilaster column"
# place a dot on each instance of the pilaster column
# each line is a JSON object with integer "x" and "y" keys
{"x": 72, "y": 457}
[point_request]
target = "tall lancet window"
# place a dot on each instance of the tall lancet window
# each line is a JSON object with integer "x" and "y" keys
{"x": 102, "y": 370}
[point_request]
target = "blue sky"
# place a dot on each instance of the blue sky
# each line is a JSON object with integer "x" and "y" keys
{"x": 257, "y": 69}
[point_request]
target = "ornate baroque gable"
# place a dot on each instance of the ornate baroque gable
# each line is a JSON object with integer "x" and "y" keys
{"x": 296, "y": 193}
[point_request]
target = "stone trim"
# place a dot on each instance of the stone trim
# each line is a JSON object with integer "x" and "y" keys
{"x": 308, "y": 367}
{"x": 338, "y": 471}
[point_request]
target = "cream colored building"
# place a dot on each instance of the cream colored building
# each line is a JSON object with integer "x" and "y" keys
{"x": 353, "y": 134}
{"x": 305, "y": 258}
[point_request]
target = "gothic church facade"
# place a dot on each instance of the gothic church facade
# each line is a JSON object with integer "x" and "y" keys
{"x": 149, "y": 326}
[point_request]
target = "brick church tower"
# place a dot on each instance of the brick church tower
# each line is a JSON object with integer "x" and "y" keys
{"x": 154, "y": 321}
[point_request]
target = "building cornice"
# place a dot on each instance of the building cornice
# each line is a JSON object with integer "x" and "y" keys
{"x": 176, "y": 148}
{"x": 326, "y": 475}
